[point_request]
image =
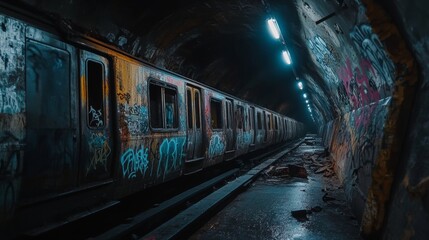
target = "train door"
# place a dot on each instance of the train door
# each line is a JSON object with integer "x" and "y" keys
{"x": 195, "y": 132}
{"x": 230, "y": 132}
{"x": 96, "y": 124}
{"x": 52, "y": 122}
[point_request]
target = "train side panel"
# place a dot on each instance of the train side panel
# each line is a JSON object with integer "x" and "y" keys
{"x": 151, "y": 121}
{"x": 12, "y": 113}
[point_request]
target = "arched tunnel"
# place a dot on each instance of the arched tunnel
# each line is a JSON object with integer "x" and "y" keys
{"x": 360, "y": 63}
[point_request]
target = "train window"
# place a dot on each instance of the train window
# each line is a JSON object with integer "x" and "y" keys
{"x": 216, "y": 113}
{"x": 189, "y": 105}
{"x": 170, "y": 108}
{"x": 239, "y": 117}
{"x": 276, "y": 123}
{"x": 95, "y": 75}
{"x": 228, "y": 114}
{"x": 252, "y": 118}
{"x": 163, "y": 106}
{"x": 269, "y": 121}
{"x": 259, "y": 120}
{"x": 197, "y": 110}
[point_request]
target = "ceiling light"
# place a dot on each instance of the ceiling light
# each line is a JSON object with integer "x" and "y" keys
{"x": 305, "y": 95}
{"x": 306, "y": 101}
{"x": 274, "y": 28}
{"x": 286, "y": 57}
{"x": 300, "y": 85}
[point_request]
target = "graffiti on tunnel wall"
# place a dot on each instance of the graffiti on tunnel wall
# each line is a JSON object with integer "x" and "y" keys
{"x": 327, "y": 61}
{"x": 356, "y": 145}
{"x": 371, "y": 48}
{"x": 359, "y": 83}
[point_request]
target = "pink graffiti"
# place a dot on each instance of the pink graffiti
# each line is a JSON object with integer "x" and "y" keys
{"x": 363, "y": 118}
{"x": 356, "y": 83}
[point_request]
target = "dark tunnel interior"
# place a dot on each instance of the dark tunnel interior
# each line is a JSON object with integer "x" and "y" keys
{"x": 362, "y": 63}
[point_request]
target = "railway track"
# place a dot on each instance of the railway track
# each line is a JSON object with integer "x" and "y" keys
{"x": 172, "y": 210}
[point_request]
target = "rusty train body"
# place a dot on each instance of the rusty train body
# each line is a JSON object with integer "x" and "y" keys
{"x": 83, "y": 124}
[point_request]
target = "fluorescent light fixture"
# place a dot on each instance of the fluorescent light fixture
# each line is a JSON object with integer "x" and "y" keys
{"x": 274, "y": 28}
{"x": 305, "y": 95}
{"x": 306, "y": 101}
{"x": 300, "y": 85}
{"x": 286, "y": 57}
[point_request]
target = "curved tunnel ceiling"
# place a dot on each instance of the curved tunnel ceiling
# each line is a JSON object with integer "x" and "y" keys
{"x": 224, "y": 44}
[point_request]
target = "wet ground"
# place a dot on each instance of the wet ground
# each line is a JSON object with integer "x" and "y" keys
{"x": 297, "y": 198}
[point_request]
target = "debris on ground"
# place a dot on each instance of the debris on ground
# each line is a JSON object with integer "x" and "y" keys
{"x": 291, "y": 170}
{"x": 302, "y": 215}
{"x": 280, "y": 171}
{"x": 297, "y": 171}
{"x": 327, "y": 198}
{"x": 316, "y": 209}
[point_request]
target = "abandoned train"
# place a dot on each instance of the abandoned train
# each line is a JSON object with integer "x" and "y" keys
{"x": 83, "y": 124}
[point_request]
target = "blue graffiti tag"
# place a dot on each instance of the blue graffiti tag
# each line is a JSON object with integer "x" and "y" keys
{"x": 134, "y": 161}
{"x": 216, "y": 147}
{"x": 100, "y": 149}
{"x": 170, "y": 155}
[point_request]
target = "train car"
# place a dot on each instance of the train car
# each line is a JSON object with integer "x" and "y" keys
{"x": 83, "y": 125}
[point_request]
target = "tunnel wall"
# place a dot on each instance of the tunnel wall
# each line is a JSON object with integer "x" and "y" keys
{"x": 371, "y": 74}
{"x": 408, "y": 214}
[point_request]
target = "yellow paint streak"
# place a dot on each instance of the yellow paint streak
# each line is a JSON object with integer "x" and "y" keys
{"x": 397, "y": 117}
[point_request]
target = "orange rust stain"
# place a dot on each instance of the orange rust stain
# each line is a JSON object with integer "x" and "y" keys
{"x": 398, "y": 112}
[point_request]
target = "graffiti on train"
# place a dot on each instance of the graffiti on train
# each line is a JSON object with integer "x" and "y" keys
{"x": 10, "y": 101}
{"x": 100, "y": 150}
{"x": 244, "y": 139}
{"x": 216, "y": 147}
{"x": 134, "y": 162}
{"x": 95, "y": 117}
{"x": 12, "y": 62}
{"x": 9, "y": 172}
{"x": 134, "y": 119}
{"x": 171, "y": 152}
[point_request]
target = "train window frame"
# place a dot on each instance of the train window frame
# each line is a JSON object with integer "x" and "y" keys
{"x": 189, "y": 110}
{"x": 216, "y": 100}
{"x": 251, "y": 118}
{"x": 197, "y": 112}
{"x": 239, "y": 116}
{"x": 269, "y": 121}
{"x": 259, "y": 119}
{"x": 88, "y": 95}
{"x": 276, "y": 123}
{"x": 163, "y": 87}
